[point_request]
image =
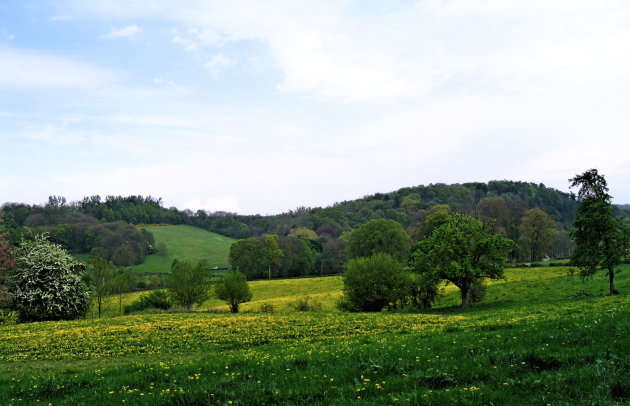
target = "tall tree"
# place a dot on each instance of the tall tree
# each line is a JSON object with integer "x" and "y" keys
{"x": 462, "y": 252}
{"x": 537, "y": 233}
{"x": 601, "y": 240}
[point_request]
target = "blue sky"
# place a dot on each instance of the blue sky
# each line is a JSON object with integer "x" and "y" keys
{"x": 261, "y": 107}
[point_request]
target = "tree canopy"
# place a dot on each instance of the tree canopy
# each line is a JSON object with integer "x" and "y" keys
{"x": 461, "y": 251}
{"x": 379, "y": 236}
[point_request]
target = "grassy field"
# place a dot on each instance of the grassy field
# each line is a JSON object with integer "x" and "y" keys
{"x": 185, "y": 243}
{"x": 538, "y": 338}
{"x": 278, "y": 293}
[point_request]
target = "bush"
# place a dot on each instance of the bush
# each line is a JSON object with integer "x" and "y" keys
{"x": 187, "y": 284}
{"x": 305, "y": 304}
{"x": 157, "y": 299}
{"x": 233, "y": 290}
{"x": 423, "y": 290}
{"x": 478, "y": 291}
{"x": 370, "y": 284}
{"x": 47, "y": 283}
{"x": 267, "y": 308}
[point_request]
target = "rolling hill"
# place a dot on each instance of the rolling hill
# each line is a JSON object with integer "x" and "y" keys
{"x": 185, "y": 243}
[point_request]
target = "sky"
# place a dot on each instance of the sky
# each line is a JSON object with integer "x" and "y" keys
{"x": 260, "y": 107}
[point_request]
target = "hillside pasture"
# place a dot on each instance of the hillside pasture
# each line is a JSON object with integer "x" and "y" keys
{"x": 538, "y": 338}
{"x": 185, "y": 243}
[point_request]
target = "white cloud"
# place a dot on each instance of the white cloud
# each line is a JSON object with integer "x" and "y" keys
{"x": 218, "y": 63}
{"x": 20, "y": 67}
{"x": 130, "y": 32}
{"x": 187, "y": 43}
{"x": 340, "y": 50}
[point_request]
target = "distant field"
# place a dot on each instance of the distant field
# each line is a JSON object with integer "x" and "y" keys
{"x": 186, "y": 243}
{"x": 540, "y": 337}
{"x": 279, "y": 293}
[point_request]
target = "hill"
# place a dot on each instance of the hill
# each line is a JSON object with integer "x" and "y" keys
{"x": 185, "y": 243}
{"x": 541, "y": 337}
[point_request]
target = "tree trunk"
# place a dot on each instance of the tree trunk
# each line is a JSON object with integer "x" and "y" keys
{"x": 464, "y": 298}
{"x": 611, "y": 279}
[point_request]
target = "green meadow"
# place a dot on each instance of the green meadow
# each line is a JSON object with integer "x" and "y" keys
{"x": 540, "y": 337}
{"x": 185, "y": 243}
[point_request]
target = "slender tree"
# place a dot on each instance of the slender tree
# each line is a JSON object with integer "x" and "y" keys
{"x": 601, "y": 240}
{"x": 100, "y": 274}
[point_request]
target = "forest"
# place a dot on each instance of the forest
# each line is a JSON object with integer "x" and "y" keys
{"x": 313, "y": 240}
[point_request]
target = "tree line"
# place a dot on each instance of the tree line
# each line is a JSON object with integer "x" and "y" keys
{"x": 77, "y": 226}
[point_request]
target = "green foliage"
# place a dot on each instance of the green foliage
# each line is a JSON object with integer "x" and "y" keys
{"x": 233, "y": 290}
{"x": 7, "y": 264}
{"x": 461, "y": 251}
{"x": 156, "y": 299}
{"x": 424, "y": 289}
{"x": 379, "y": 236}
{"x": 187, "y": 284}
{"x": 249, "y": 256}
{"x": 274, "y": 253}
{"x": 100, "y": 274}
{"x": 121, "y": 283}
{"x": 47, "y": 283}
{"x": 438, "y": 215}
{"x": 537, "y": 233}
{"x": 373, "y": 283}
{"x": 601, "y": 240}
{"x": 267, "y": 308}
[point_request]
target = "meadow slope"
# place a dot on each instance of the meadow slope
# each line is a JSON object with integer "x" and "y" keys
{"x": 185, "y": 243}
{"x": 540, "y": 337}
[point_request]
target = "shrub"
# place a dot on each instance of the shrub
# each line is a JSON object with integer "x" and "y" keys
{"x": 47, "y": 283}
{"x": 370, "y": 284}
{"x": 157, "y": 299}
{"x": 305, "y": 304}
{"x": 478, "y": 291}
{"x": 267, "y": 308}
{"x": 423, "y": 290}
{"x": 187, "y": 284}
{"x": 233, "y": 290}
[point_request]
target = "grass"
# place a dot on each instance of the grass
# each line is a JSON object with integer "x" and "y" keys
{"x": 278, "y": 293}
{"x": 534, "y": 340}
{"x": 185, "y": 243}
